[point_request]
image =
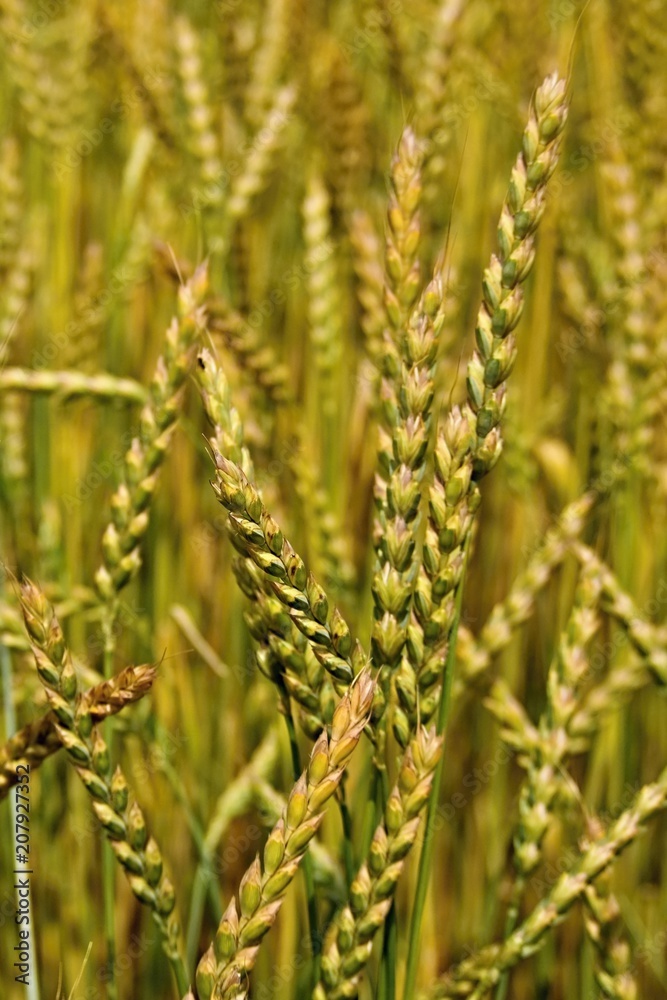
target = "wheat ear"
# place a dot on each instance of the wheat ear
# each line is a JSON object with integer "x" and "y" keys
{"x": 72, "y": 383}
{"x": 124, "y": 824}
{"x": 406, "y": 396}
{"x": 469, "y": 439}
{"x": 475, "y": 655}
{"x": 257, "y": 535}
{"x": 283, "y": 653}
{"x": 349, "y": 941}
{"x": 475, "y": 976}
{"x": 130, "y": 503}
{"x": 39, "y": 739}
{"x": 502, "y": 292}
{"x": 236, "y": 944}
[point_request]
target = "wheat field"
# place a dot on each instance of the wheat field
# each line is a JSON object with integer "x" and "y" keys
{"x": 333, "y": 483}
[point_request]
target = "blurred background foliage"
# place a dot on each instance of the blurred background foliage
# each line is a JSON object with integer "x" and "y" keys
{"x": 137, "y": 139}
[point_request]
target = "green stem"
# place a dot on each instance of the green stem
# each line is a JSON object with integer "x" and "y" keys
{"x": 108, "y": 859}
{"x": 348, "y": 853}
{"x": 180, "y": 975}
{"x": 510, "y": 926}
{"x": 370, "y": 819}
{"x": 203, "y": 882}
{"x": 387, "y": 982}
{"x": 426, "y": 855}
{"x": 307, "y": 865}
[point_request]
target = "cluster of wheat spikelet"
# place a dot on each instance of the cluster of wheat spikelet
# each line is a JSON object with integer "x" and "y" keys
{"x": 394, "y": 719}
